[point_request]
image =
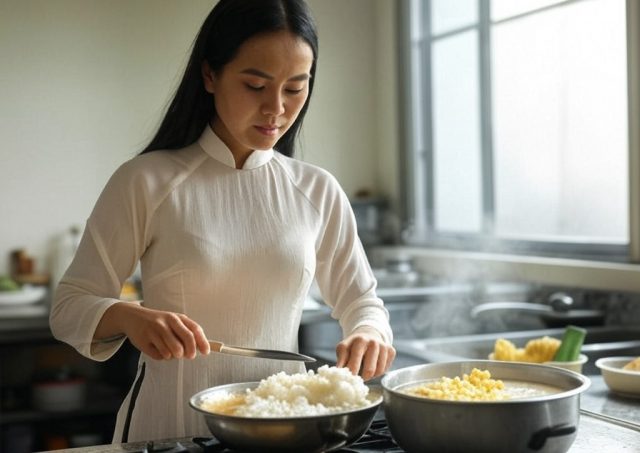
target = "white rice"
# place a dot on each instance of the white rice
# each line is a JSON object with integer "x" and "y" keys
{"x": 328, "y": 391}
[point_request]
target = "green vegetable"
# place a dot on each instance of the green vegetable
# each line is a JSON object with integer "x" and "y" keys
{"x": 8, "y": 284}
{"x": 571, "y": 344}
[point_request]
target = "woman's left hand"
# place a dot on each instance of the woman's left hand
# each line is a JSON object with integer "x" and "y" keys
{"x": 366, "y": 353}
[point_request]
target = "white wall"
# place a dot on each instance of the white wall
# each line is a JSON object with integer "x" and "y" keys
{"x": 84, "y": 82}
{"x": 341, "y": 132}
{"x": 387, "y": 106}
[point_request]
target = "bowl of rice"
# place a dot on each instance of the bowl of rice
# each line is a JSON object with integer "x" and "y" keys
{"x": 321, "y": 410}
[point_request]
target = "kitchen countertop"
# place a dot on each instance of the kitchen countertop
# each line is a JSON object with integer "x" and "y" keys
{"x": 600, "y": 400}
{"x": 24, "y": 329}
{"x": 608, "y": 423}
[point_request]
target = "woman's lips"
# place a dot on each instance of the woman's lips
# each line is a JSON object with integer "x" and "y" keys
{"x": 268, "y": 130}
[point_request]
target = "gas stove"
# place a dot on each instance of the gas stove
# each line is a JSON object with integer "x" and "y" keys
{"x": 377, "y": 439}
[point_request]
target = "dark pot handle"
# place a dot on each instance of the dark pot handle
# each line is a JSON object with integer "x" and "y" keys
{"x": 539, "y": 438}
{"x": 205, "y": 442}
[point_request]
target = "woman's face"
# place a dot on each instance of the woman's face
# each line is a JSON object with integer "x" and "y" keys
{"x": 259, "y": 94}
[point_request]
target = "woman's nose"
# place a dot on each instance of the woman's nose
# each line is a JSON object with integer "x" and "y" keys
{"x": 273, "y": 104}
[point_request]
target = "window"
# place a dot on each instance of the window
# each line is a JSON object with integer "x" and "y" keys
{"x": 517, "y": 126}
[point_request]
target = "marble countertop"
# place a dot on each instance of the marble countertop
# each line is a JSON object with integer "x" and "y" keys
{"x": 608, "y": 422}
{"x": 600, "y": 400}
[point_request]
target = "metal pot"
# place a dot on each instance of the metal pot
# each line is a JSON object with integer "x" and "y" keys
{"x": 541, "y": 424}
{"x": 320, "y": 433}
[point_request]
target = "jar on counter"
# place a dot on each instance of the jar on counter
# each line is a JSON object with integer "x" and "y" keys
{"x": 64, "y": 251}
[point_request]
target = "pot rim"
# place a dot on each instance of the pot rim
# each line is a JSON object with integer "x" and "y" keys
{"x": 240, "y": 386}
{"x": 583, "y": 383}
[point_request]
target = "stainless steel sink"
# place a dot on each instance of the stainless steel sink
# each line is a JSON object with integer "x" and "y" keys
{"x": 599, "y": 342}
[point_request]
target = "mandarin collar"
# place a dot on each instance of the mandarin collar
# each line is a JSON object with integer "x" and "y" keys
{"x": 216, "y": 148}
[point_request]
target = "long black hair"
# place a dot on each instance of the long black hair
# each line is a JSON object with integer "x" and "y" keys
{"x": 229, "y": 24}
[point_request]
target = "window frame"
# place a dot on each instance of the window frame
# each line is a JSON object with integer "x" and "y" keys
{"x": 417, "y": 166}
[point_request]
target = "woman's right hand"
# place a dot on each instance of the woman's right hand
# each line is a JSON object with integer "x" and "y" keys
{"x": 158, "y": 334}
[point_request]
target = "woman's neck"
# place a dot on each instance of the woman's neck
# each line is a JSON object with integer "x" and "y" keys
{"x": 240, "y": 153}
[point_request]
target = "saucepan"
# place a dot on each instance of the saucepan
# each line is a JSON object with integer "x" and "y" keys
{"x": 318, "y": 433}
{"x": 545, "y": 423}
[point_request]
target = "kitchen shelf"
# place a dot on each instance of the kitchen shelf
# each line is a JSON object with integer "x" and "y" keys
{"x": 25, "y": 331}
{"x": 28, "y": 352}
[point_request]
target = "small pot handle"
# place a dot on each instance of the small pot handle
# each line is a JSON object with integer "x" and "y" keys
{"x": 539, "y": 438}
{"x": 206, "y": 442}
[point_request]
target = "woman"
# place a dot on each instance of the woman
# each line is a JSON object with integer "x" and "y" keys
{"x": 229, "y": 234}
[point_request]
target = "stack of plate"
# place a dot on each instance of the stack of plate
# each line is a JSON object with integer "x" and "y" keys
{"x": 27, "y": 301}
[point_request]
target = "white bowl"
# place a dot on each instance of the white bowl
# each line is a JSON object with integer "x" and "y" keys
{"x": 624, "y": 382}
{"x": 575, "y": 365}
{"x": 26, "y": 295}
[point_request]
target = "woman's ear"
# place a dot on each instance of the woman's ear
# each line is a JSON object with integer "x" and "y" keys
{"x": 208, "y": 77}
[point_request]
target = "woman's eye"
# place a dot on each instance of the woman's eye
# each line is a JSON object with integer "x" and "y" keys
{"x": 293, "y": 91}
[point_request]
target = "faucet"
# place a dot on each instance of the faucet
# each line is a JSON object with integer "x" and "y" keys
{"x": 557, "y": 312}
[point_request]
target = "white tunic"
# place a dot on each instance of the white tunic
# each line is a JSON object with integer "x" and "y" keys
{"x": 234, "y": 249}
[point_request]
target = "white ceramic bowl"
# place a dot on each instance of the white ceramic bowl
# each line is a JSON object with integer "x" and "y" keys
{"x": 620, "y": 381}
{"x": 575, "y": 365}
{"x": 26, "y": 295}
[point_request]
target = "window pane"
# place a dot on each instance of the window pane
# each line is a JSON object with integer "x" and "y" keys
{"x": 456, "y": 134}
{"x": 447, "y": 15}
{"x": 502, "y": 9}
{"x": 560, "y": 124}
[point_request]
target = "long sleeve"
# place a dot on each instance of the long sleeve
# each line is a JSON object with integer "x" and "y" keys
{"x": 107, "y": 255}
{"x": 343, "y": 273}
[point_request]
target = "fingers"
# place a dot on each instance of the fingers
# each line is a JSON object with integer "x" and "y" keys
{"x": 365, "y": 354}
{"x": 159, "y": 344}
{"x": 381, "y": 363}
{"x": 370, "y": 361}
{"x": 165, "y": 335}
{"x": 391, "y": 355}
{"x": 342, "y": 353}
{"x": 152, "y": 351}
{"x": 201, "y": 341}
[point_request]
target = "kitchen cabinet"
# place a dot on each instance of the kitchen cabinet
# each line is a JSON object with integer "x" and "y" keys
{"x": 29, "y": 355}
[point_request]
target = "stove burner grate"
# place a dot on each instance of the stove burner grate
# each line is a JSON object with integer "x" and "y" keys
{"x": 377, "y": 439}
